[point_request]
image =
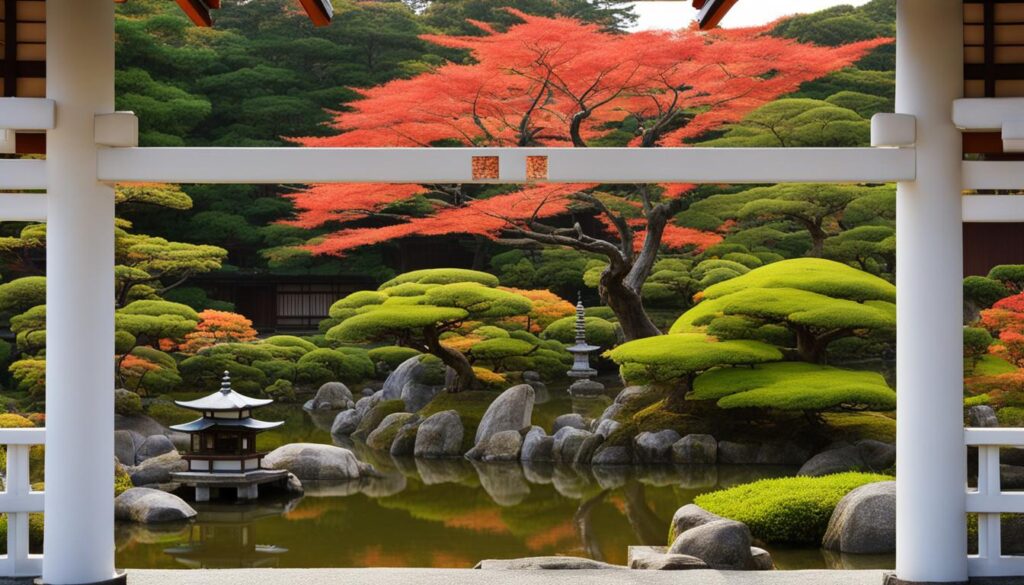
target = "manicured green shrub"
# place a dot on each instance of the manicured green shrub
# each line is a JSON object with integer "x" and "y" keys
{"x": 157, "y": 381}
{"x": 21, "y": 294}
{"x": 748, "y": 260}
{"x": 443, "y": 276}
{"x": 281, "y": 391}
{"x": 290, "y": 341}
{"x": 392, "y": 355}
{"x": 122, "y": 481}
{"x": 1010, "y": 274}
{"x": 277, "y": 369}
{"x": 204, "y": 373}
{"x": 976, "y": 342}
{"x": 126, "y": 402}
{"x": 30, "y": 376}
{"x": 990, "y": 365}
{"x": 791, "y": 510}
{"x": 344, "y": 367}
{"x": 979, "y": 400}
{"x": 1011, "y": 416}
{"x": 794, "y": 386}
{"x": 599, "y": 331}
{"x": 669, "y": 358}
{"x": 30, "y": 329}
{"x": 984, "y": 292}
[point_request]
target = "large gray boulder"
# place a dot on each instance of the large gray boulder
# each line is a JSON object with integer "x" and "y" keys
{"x": 126, "y": 445}
{"x": 537, "y": 446}
{"x": 722, "y": 544}
{"x": 148, "y": 506}
{"x": 331, "y": 396}
{"x": 440, "y": 435}
{"x": 152, "y": 447}
{"x": 416, "y": 395}
{"x": 833, "y": 461}
{"x": 655, "y": 447}
{"x": 730, "y": 453}
{"x": 547, "y": 563}
{"x": 864, "y": 521}
{"x": 311, "y": 461}
{"x": 689, "y": 516}
{"x": 385, "y": 433}
{"x": 784, "y": 453}
{"x": 347, "y": 422}
{"x": 656, "y": 558}
{"x": 567, "y": 444}
{"x": 982, "y": 416}
{"x": 404, "y": 444}
{"x": 409, "y": 383}
{"x": 157, "y": 470}
{"x": 631, "y": 392}
{"x": 503, "y": 446}
{"x": 587, "y": 450}
{"x": 512, "y": 410}
{"x": 606, "y": 427}
{"x": 612, "y": 456}
{"x": 573, "y": 420}
{"x": 878, "y": 456}
{"x": 695, "y": 449}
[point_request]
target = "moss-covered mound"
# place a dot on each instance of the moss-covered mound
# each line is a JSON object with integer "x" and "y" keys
{"x": 791, "y": 510}
{"x": 794, "y": 386}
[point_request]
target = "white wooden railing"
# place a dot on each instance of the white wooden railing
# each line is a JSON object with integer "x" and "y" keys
{"x": 989, "y": 502}
{"x": 18, "y": 500}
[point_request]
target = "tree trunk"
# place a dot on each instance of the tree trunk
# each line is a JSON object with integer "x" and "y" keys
{"x": 809, "y": 347}
{"x": 465, "y": 378}
{"x": 627, "y": 305}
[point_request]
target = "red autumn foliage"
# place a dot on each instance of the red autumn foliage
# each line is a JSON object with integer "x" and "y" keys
{"x": 556, "y": 82}
{"x": 1006, "y": 320}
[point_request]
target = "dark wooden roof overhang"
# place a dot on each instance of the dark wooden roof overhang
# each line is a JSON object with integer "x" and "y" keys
{"x": 712, "y": 11}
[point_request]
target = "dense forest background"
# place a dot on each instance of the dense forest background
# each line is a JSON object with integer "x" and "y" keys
{"x": 263, "y": 74}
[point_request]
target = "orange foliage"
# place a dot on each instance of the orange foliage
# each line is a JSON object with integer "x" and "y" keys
{"x": 547, "y": 308}
{"x": 488, "y": 521}
{"x": 555, "y": 82}
{"x": 1006, "y": 319}
{"x": 218, "y": 327}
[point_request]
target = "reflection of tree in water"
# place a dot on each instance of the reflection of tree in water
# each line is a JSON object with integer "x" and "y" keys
{"x": 584, "y": 527}
{"x": 648, "y": 527}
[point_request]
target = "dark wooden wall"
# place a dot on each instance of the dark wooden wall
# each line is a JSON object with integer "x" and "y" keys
{"x": 990, "y": 244}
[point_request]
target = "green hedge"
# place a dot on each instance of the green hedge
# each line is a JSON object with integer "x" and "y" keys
{"x": 790, "y": 510}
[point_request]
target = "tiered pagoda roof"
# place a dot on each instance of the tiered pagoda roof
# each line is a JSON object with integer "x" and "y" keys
{"x": 225, "y": 400}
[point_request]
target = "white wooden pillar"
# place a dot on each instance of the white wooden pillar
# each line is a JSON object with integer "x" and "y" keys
{"x": 931, "y": 541}
{"x": 79, "y": 521}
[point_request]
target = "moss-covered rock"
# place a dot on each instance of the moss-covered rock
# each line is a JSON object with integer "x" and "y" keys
{"x": 792, "y": 510}
{"x": 375, "y": 416}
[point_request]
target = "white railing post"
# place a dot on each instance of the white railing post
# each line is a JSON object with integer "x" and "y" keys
{"x": 989, "y": 502}
{"x": 18, "y": 500}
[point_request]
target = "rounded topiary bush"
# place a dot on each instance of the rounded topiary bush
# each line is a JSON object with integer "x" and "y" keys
{"x": 348, "y": 367}
{"x": 392, "y": 355}
{"x": 789, "y": 510}
{"x": 599, "y": 331}
{"x": 290, "y": 341}
{"x": 443, "y": 276}
{"x": 126, "y": 402}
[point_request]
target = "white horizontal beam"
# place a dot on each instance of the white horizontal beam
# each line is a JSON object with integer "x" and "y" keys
{"x": 26, "y": 113}
{"x": 454, "y": 165}
{"x": 986, "y": 114}
{"x": 999, "y": 437}
{"x": 30, "y": 436}
{"x": 993, "y": 209}
{"x": 29, "y": 502}
{"x": 1004, "y": 566}
{"x": 22, "y": 174}
{"x": 992, "y": 175}
{"x": 22, "y": 207}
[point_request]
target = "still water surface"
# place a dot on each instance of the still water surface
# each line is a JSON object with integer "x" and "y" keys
{"x": 446, "y": 513}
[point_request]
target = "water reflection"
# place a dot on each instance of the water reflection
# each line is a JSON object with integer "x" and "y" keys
{"x": 449, "y": 513}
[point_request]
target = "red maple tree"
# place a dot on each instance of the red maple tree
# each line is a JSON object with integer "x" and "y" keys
{"x": 560, "y": 82}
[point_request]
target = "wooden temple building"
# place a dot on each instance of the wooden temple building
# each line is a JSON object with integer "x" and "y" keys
{"x": 223, "y": 444}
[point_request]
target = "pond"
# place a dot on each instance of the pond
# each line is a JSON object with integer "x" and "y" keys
{"x": 447, "y": 513}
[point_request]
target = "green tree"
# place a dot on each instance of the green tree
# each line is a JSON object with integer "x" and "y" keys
{"x": 817, "y": 301}
{"x": 416, "y": 308}
{"x": 798, "y": 123}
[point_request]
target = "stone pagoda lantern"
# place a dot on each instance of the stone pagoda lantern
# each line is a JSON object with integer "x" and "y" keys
{"x": 581, "y": 370}
{"x": 222, "y": 450}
